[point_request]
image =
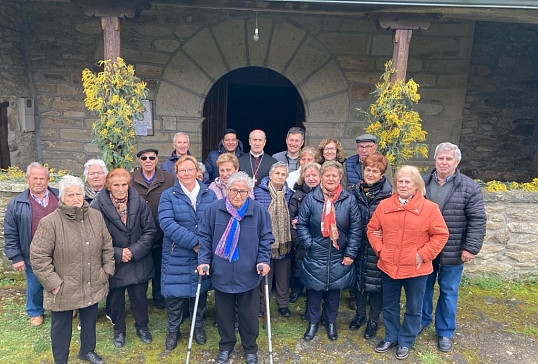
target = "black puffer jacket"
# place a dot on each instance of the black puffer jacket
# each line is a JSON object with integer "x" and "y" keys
{"x": 295, "y": 205}
{"x": 368, "y": 274}
{"x": 465, "y": 217}
{"x": 322, "y": 268}
{"x": 138, "y": 236}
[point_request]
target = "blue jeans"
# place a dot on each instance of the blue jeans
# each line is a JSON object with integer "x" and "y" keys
{"x": 448, "y": 277}
{"x": 406, "y": 333}
{"x": 34, "y": 294}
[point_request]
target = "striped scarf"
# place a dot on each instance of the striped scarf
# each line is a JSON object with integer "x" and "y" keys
{"x": 227, "y": 246}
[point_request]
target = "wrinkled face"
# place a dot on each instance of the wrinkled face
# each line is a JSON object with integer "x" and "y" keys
{"x": 257, "y": 141}
{"x": 364, "y": 149}
{"x": 96, "y": 177}
{"x": 278, "y": 177}
{"x": 226, "y": 169}
{"x": 312, "y": 177}
{"x": 148, "y": 162}
{"x": 446, "y": 163}
{"x": 405, "y": 187}
{"x": 306, "y": 158}
{"x": 119, "y": 186}
{"x": 372, "y": 174}
{"x": 330, "y": 179}
{"x": 37, "y": 180}
{"x": 329, "y": 152}
{"x": 186, "y": 173}
{"x": 294, "y": 143}
{"x": 73, "y": 196}
{"x": 238, "y": 193}
{"x": 181, "y": 145}
{"x": 230, "y": 142}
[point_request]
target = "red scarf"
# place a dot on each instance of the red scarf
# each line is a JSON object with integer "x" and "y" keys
{"x": 329, "y": 227}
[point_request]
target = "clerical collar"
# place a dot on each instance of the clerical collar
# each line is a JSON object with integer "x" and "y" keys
{"x": 256, "y": 155}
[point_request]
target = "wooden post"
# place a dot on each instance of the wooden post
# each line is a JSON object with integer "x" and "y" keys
{"x": 400, "y": 53}
{"x": 112, "y": 38}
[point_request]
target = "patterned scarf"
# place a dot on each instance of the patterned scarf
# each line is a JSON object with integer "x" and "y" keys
{"x": 227, "y": 246}
{"x": 280, "y": 221}
{"x": 371, "y": 191}
{"x": 329, "y": 227}
{"x": 121, "y": 207}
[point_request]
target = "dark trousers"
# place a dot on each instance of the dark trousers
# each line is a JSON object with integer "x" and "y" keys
{"x": 376, "y": 304}
{"x": 139, "y": 306}
{"x": 406, "y": 333}
{"x": 157, "y": 255}
{"x": 176, "y": 308}
{"x": 280, "y": 272}
{"x": 313, "y": 305}
{"x": 248, "y": 305}
{"x": 61, "y": 327}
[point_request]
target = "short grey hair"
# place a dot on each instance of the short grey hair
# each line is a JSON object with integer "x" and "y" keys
{"x": 181, "y": 133}
{"x": 296, "y": 130}
{"x": 69, "y": 181}
{"x": 448, "y": 147}
{"x": 35, "y": 165}
{"x": 278, "y": 164}
{"x": 332, "y": 164}
{"x": 202, "y": 167}
{"x": 240, "y": 177}
{"x": 92, "y": 162}
{"x": 415, "y": 177}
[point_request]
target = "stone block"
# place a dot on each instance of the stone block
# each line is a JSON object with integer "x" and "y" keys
{"x": 527, "y": 227}
{"x": 65, "y": 90}
{"x": 136, "y": 55}
{"x": 73, "y": 114}
{"x": 286, "y": 38}
{"x": 330, "y": 77}
{"x": 452, "y": 81}
{"x": 183, "y": 72}
{"x": 75, "y": 134}
{"x": 308, "y": 59}
{"x": 309, "y": 23}
{"x": 153, "y": 30}
{"x": 231, "y": 39}
{"x": 91, "y": 148}
{"x": 523, "y": 240}
{"x": 44, "y": 87}
{"x": 48, "y": 133}
{"x": 169, "y": 123}
{"x": 434, "y": 47}
{"x": 450, "y": 67}
{"x": 186, "y": 30}
{"x": 62, "y": 145}
{"x": 361, "y": 92}
{"x": 382, "y": 45}
{"x": 49, "y": 121}
{"x": 55, "y": 157}
{"x": 364, "y": 77}
{"x": 449, "y": 29}
{"x": 356, "y": 63}
{"x": 172, "y": 101}
{"x": 92, "y": 27}
{"x": 145, "y": 70}
{"x": 166, "y": 45}
{"x": 344, "y": 43}
{"x": 52, "y": 113}
{"x": 205, "y": 54}
{"x": 506, "y": 62}
{"x": 424, "y": 108}
{"x": 70, "y": 104}
{"x": 424, "y": 80}
{"x": 331, "y": 110}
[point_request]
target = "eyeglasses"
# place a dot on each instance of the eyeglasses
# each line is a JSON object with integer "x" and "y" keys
{"x": 185, "y": 171}
{"x": 235, "y": 191}
{"x": 151, "y": 158}
{"x": 96, "y": 174}
{"x": 329, "y": 149}
{"x": 365, "y": 146}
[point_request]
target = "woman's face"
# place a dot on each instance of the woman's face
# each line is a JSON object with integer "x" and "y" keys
{"x": 186, "y": 173}
{"x": 372, "y": 174}
{"x": 306, "y": 158}
{"x": 329, "y": 152}
{"x": 312, "y": 177}
{"x": 73, "y": 196}
{"x": 330, "y": 179}
{"x": 96, "y": 177}
{"x": 119, "y": 186}
{"x": 226, "y": 169}
{"x": 405, "y": 187}
{"x": 238, "y": 193}
{"x": 278, "y": 177}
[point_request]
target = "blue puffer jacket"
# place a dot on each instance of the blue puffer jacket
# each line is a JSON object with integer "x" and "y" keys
{"x": 353, "y": 170}
{"x": 179, "y": 222}
{"x": 322, "y": 268}
{"x": 263, "y": 196}
{"x": 211, "y": 159}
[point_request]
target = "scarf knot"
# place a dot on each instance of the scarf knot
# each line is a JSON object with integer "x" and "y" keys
{"x": 121, "y": 207}
{"x": 329, "y": 227}
{"x": 227, "y": 246}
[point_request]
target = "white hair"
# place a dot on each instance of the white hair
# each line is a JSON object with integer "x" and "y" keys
{"x": 92, "y": 162}
{"x": 202, "y": 167}
{"x": 240, "y": 177}
{"x": 278, "y": 164}
{"x": 181, "y": 133}
{"x": 35, "y": 165}
{"x": 448, "y": 147}
{"x": 69, "y": 181}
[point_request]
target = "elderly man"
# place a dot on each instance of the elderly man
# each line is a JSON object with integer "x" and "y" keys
{"x": 181, "y": 147}
{"x": 256, "y": 163}
{"x": 366, "y": 145}
{"x": 294, "y": 143}
{"x": 95, "y": 172}
{"x": 461, "y": 203}
{"x": 150, "y": 182}
{"x": 22, "y": 217}
{"x": 228, "y": 144}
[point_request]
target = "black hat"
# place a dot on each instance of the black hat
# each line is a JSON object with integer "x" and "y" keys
{"x": 148, "y": 149}
{"x": 366, "y": 138}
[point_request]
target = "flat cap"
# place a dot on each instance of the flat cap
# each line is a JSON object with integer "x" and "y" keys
{"x": 148, "y": 149}
{"x": 366, "y": 138}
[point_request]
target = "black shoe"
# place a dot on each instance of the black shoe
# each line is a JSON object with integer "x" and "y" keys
{"x": 352, "y": 304}
{"x": 284, "y": 311}
{"x": 160, "y": 304}
{"x": 332, "y": 334}
{"x": 371, "y": 330}
{"x": 294, "y": 296}
{"x": 357, "y": 322}
{"x": 171, "y": 340}
{"x": 402, "y": 352}
{"x": 444, "y": 343}
{"x": 310, "y": 331}
{"x": 384, "y": 346}
{"x": 119, "y": 340}
{"x": 199, "y": 335}
{"x": 422, "y": 328}
{"x": 92, "y": 357}
{"x": 223, "y": 356}
{"x": 251, "y": 358}
{"x": 144, "y": 335}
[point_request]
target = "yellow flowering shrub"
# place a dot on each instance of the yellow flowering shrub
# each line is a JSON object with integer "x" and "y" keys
{"x": 115, "y": 95}
{"x": 15, "y": 174}
{"x": 498, "y": 186}
{"x": 393, "y": 120}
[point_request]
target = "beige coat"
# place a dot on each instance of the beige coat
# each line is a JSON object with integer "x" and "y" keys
{"x": 72, "y": 249}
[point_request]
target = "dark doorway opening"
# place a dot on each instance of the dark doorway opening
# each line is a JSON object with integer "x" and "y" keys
{"x": 5, "y": 160}
{"x": 252, "y": 98}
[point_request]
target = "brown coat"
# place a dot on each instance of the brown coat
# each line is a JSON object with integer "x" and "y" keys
{"x": 72, "y": 249}
{"x": 416, "y": 227}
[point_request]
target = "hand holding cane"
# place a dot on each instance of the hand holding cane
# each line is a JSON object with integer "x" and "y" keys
{"x": 193, "y": 322}
{"x": 268, "y": 313}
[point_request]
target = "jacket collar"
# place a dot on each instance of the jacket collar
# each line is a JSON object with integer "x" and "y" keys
{"x": 414, "y": 206}
{"x": 250, "y": 208}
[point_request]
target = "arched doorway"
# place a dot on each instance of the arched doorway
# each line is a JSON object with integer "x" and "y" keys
{"x": 251, "y": 98}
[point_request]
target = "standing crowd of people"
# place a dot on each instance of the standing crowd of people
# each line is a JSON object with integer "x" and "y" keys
{"x": 315, "y": 222}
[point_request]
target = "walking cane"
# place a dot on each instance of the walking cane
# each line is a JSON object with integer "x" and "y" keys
{"x": 204, "y": 269}
{"x": 267, "y": 312}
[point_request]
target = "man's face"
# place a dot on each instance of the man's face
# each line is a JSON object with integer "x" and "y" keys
{"x": 96, "y": 177}
{"x": 181, "y": 145}
{"x": 257, "y": 141}
{"x": 446, "y": 163}
{"x": 148, "y": 161}
{"x": 230, "y": 142}
{"x": 364, "y": 149}
{"x": 37, "y": 180}
{"x": 294, "y": 143}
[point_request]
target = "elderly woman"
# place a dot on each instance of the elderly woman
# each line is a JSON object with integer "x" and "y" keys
{"x": 307, "y": 155}
{"x": 369, "y": 192}
{"x": 309, "y": 179}
{"x": 95, "y": 172}
{"x": 274, "y": 194}
{"x": 413, "y": 233}
{"x": 132, "y": 227}
{"x": 227, "y": 164}
{"x": 72, "y": 256}
{"x": 235, "y": 240}
{"x": 329, "y": 227}
{"x": 180, "y": 211}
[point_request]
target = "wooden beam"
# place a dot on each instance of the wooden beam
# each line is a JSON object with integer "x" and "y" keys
{"x": 400, "y": 53}
{"x": 112, "y": 37}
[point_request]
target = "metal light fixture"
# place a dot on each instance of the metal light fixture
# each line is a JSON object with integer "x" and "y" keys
{"x": 256, "y": 36}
